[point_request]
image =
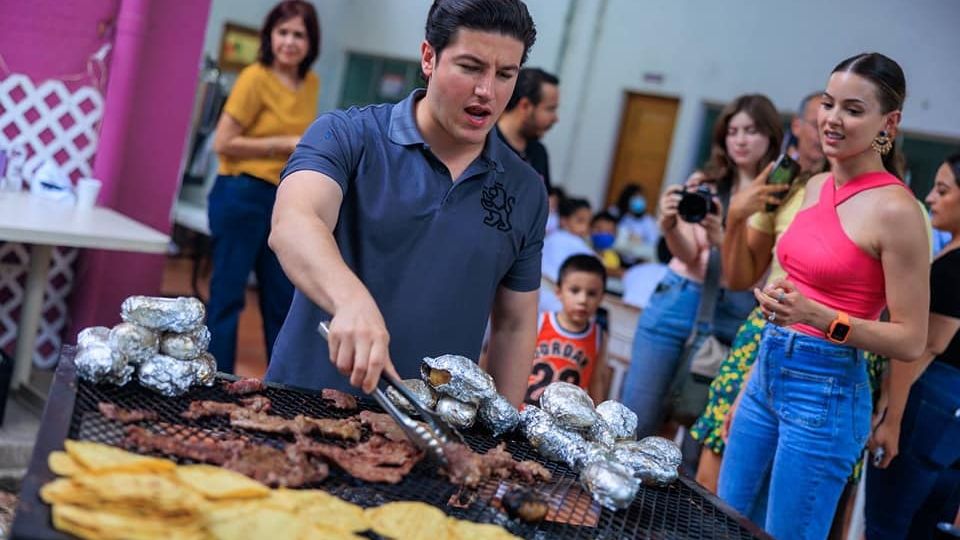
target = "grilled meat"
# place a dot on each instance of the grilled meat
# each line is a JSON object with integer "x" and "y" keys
{"x": 376, "y": 460}
{"x": 340, "y": 400}
{"x": 124, "y": 416}
{"x": 470, "y": 469}
{"x": 243, "y": 387}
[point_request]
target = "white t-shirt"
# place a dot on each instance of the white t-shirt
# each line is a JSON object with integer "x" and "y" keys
{"x": 644, "y": 227}
{"x": 640, "y": 281}
{"x": 557, "y": 247}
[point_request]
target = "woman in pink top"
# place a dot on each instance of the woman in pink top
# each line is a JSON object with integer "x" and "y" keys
{"x": 856, "y": 246}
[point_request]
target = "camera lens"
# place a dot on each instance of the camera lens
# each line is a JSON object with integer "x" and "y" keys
{"x": 694, "y": 206}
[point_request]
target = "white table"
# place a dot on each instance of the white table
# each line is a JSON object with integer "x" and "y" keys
{"x": 191, "y": 216}
{"x": 42, "y": 224}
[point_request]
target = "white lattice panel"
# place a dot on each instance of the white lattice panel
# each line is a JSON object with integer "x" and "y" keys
{"x": 51, "y": 122}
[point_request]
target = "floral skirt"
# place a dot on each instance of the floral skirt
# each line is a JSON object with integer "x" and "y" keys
{"x": 726, "y": 385}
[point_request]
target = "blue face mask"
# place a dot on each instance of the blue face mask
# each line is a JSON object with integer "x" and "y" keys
{"x": 638, "y": 205}
{"x": 602, "y": 240}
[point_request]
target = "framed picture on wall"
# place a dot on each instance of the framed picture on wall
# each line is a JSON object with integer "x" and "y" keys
{"x": 239, "y": 46}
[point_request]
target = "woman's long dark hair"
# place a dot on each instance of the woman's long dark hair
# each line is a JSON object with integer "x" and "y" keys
{"x": 285, "y": 11}
{"x": 887, "y": 76}
{"x": 720, "y": 167}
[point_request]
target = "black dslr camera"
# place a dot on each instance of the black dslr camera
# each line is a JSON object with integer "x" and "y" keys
{"x": 695, "y": 204}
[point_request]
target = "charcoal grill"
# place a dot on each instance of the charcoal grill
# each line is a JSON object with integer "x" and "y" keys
{"x": 682, "y": 510}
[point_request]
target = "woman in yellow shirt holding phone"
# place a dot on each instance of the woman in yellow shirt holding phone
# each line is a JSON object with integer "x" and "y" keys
{"x": 272, "y": 103}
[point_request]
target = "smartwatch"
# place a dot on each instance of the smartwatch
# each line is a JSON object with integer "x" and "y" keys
{"x": 839, "y": 329}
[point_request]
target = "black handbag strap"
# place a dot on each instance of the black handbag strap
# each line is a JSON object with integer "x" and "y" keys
{"x": 708, "y": 303}
{"x": 710, "y": 291}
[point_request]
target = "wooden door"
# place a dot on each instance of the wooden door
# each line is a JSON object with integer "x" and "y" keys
{"x": 643, "y": 147}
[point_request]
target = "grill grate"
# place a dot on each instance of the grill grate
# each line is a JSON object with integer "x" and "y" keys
{"x": 674, "y": 512}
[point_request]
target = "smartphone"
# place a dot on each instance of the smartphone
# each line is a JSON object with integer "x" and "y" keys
{"x": 784, "y": 172}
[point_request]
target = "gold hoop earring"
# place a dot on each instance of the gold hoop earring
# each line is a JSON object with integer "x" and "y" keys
{"x": 882, "y": 144}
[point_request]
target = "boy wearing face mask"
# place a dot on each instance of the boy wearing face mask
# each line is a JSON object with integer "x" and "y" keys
{"x": 603, "y": 234}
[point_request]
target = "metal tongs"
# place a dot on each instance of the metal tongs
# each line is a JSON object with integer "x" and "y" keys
{"x": 430, "y": 435}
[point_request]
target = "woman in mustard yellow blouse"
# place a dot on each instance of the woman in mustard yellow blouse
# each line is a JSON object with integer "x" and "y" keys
{"x": 272, "y": 103}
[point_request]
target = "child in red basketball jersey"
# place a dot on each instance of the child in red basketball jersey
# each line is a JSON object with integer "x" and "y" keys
{"x": 571, "y": 346}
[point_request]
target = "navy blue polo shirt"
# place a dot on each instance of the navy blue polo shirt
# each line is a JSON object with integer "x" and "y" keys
{"x": 431, "y": 251}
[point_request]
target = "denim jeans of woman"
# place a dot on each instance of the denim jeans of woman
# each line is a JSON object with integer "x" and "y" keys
{"x": 662, "y": 331}
{"x": 801, "y": 425}
{"x": 240, "y": 208}
{"x": 921, "y": 485}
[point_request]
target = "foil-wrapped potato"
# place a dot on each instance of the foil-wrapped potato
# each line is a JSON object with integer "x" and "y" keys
{"x": 458, "y": 377}
{"x": 135, "y": 342}
{"x": 97, "y": 361}
{"x": 93, "y": 334}
{"x": 456, "y": 413}
{"x": 169, "y": 376}
{"x": 601, "y": 434}
{"x": 206, "y": 370}
{"x": 186, "y": 346}
{"x": 181, "y": 314}
{"x": 664, "y": 450}
{"x": 653, "y": 462}
{"x": 610, "y": 483}
{"x": 498, "y": 415}
{"x": 420, "y": 389}
{"x": 621, "y": 420}
{"x": 589, "y": 452}
{"x": 569, "y": 405}
{"x": 552, "y": 441}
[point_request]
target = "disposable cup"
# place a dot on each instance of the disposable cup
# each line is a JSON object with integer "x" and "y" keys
{"x": 87, "y": 191}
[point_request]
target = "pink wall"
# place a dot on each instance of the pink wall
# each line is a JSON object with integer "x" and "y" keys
{"x": 149, "y": 103}
{"x": 153, "y": 70}
{"x": 47, "y": 39}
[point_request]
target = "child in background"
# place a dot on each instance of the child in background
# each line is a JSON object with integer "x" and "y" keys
{"x": 572, "y": 238}
{"x": 603, "y": 234}
{"x": 569, "y": 239}
{"x": 637, "y": 229}
{"x": 554, "y": 196}
{"x": 571, "y": 346}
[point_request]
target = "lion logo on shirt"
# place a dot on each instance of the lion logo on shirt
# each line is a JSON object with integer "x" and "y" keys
{"x": 498, "y": 206}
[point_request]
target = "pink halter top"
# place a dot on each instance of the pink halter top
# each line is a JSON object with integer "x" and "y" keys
{"x": 825, "y": 264}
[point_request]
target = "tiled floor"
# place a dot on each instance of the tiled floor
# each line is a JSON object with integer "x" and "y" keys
{"x": 251, "y": 350}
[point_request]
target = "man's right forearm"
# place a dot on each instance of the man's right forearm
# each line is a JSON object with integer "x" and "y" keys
{"x": 318, "y": 272}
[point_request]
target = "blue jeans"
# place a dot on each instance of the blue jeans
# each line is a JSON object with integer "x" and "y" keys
{"x": 662, "y": 331}
{"x": 240, "y": 208}
{"x": 803, "y": 421}
{"x": 908, "y": 498}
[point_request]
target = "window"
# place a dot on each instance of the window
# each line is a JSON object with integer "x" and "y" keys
{"x": 374, "y": 79}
